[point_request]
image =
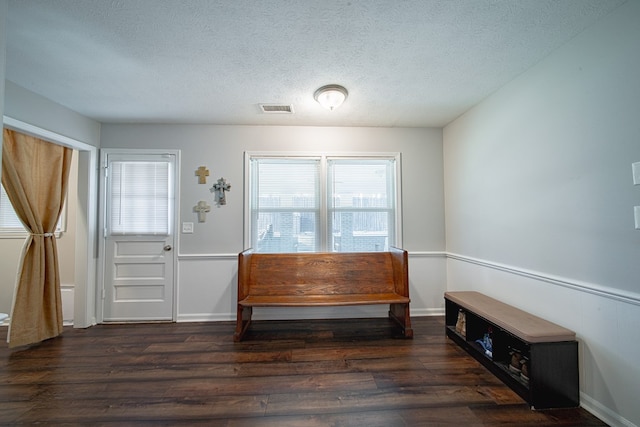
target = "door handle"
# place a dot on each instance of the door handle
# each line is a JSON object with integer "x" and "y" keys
{"x": 167, "y": 248}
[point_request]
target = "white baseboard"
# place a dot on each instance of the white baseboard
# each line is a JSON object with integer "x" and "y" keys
{"x": 205, "y": 317}
{"x": 423, "y": 312}
{"x": 296, "y": 314}
{"x": 604, "y": 413}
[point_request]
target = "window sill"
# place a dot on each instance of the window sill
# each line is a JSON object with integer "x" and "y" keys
{"x": 22, "y": 235}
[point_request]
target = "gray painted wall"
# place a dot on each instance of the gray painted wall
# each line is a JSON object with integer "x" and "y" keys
{"x": 206, "y": 274}
{"x": 539, "y": 202}
{"x": 539, "y": 175}
{"x": 221, "y": 149}
{"x": 26, "y": 106}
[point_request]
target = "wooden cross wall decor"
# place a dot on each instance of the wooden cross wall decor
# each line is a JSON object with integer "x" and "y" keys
{"x": 202, "y": 174}
{"x": 202, "y": 208}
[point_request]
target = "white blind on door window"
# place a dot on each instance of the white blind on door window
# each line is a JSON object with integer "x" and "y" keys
{"x": 140, "y": 198}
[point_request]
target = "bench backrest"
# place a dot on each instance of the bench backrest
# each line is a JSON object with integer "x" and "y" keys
{"x": 326, "y": 273}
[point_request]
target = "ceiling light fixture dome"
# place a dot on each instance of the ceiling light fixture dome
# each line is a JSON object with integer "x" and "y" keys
{"x": 331, "y": 96}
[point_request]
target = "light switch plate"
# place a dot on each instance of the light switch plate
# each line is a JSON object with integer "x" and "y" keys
{"x": 187, "y": 228}
{"x": 636, "y": 173}
{"x": 636, "y": 211}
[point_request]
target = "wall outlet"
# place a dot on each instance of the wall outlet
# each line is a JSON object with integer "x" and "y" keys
{"x": 636, "y": 173}
{"x": 636, "y": 211}
{"x": 187, "y": 228}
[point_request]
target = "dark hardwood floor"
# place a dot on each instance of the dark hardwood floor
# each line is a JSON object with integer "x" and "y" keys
{"x": 286, "y": 373}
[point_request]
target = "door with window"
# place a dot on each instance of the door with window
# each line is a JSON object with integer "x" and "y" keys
{"x": 139, "y": 230}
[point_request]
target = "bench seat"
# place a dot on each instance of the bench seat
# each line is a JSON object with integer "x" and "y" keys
{"x": 323, "y": 279}
{"x": 521, "y": 324}
{"x": 322, "y": 300}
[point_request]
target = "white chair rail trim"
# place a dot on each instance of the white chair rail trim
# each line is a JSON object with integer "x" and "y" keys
{"x": 592, "y": 288}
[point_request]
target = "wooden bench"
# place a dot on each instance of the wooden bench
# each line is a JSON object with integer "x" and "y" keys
{"x": 549, "y": 351}
{"x": 323, "y": 279}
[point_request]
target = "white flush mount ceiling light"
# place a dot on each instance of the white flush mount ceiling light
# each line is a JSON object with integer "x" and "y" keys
{"x": 331, "y": 96}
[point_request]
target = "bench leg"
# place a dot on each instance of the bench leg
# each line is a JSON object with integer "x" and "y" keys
{"x": 400, "y": 314}
{"x": 243, "y": 321}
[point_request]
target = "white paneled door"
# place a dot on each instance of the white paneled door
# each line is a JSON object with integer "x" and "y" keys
{"x": 139, "y": 221}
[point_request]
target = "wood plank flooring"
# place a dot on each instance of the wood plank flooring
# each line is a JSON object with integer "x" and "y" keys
{"x": 286, "y": 373}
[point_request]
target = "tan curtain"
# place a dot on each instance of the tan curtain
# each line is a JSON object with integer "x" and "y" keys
{"x": 35, "y": 176}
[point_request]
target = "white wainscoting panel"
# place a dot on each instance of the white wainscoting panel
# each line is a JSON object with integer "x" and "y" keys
{"x": 67, "y": 294}
{"x": 207, "y": 291}
{"x": 427, "y": 283}
{"x": 207, "y": 287}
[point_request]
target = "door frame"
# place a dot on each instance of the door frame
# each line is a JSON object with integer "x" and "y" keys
{"x": 104, "y": 152}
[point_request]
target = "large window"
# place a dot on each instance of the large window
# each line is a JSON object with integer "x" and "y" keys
{"x": 322, "y": 203}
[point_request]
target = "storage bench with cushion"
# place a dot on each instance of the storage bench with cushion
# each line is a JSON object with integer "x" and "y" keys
{"x": 538, "y": 359}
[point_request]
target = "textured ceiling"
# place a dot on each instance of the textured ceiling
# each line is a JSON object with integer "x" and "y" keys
{"x": 405, "y": 63}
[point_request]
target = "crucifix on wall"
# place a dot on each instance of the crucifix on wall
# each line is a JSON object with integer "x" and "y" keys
{"x": 202, "y": 208}
{"x": 202, "y": 172}
{"x": 220, "y": 188}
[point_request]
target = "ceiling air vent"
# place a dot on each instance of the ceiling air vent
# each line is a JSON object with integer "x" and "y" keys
{"x": 277, "y": 108}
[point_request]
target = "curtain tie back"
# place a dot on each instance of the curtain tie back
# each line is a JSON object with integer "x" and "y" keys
{"x": 43, "y": 235}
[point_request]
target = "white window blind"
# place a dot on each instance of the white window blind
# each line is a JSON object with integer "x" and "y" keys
{"x": 324, "y": 203}
{"x": 8, "y": 219}
{"x": 10, "y": 224}
{"x": 140, "y": 193}
{"x": 285, "y": 201}
{"x": 361, "y": 204}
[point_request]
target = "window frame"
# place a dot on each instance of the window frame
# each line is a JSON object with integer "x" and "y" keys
{"x": 324, "y": 182}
